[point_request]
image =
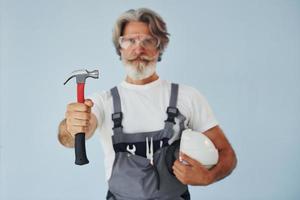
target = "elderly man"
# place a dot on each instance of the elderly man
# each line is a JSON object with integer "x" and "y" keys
{"x": 145, "y": 112}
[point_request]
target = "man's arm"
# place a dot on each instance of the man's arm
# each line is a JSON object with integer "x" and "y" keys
{"x": 66, "y": 139}
{"x": 227, "y": 158}
{"x": 196, "y": 174}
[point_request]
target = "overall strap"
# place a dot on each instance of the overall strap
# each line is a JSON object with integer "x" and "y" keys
{"x": 117, "y": 115}
{"x": 177, "y": 135}
{"x": 172, "y": 111}
{"x": 174, "y": 94}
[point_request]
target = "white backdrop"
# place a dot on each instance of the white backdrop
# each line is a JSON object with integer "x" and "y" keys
{"x": 242, "y": 55}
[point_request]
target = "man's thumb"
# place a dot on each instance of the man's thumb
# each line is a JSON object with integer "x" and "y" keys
{"x": 89, "y": 102}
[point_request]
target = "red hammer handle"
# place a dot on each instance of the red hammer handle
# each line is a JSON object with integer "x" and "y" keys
{"x": 80, "y": 152}
{"x": 80, "y": 92}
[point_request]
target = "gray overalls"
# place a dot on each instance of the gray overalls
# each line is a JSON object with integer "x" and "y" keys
{"x": 133, "y": 176}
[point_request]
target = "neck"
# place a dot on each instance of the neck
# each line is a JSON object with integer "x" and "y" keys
{"x": 150, "y": 79}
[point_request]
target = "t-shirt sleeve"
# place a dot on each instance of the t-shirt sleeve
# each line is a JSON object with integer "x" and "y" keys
{"x": 201, "y": 115}
{"x": 97, "y": 109}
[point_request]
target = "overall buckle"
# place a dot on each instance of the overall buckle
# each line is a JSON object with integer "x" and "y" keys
{"x": 117, "y": 119}
{"x": 172, "y": 113}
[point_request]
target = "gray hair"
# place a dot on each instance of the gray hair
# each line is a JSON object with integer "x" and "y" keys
{"x": 157, "y": 27}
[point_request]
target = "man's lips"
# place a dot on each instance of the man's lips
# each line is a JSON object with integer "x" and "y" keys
{"x": 140, "y": 59}
{"x": 135, "y": 59}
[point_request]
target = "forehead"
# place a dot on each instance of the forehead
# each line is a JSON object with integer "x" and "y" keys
{"x": 136, "y": 28}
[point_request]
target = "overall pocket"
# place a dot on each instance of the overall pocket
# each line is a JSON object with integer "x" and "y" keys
{"x": 170, "y": 186}
{"x": 133, "y": 177}
{"x": 172, "y": 154}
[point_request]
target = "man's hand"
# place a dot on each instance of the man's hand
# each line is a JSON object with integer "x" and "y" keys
{"x": 196, "y": 174}
{"x": 192, "y": 173}
{"x": 78, "y": 119}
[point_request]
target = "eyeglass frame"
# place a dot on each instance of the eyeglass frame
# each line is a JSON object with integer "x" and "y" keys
{"x": 139, "y": 40}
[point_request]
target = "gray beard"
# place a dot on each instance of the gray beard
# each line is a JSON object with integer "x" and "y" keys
{"x": 139, "y": 70}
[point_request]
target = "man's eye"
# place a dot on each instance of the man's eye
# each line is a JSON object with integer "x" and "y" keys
{"x": 131, "y": 40}
{"x": 149, "y": 41}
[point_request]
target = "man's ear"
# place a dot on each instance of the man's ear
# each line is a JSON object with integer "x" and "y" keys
{"x": 159, "y": 59}
{"x": 120, "y": 54}
{"x": 159, "y": 56}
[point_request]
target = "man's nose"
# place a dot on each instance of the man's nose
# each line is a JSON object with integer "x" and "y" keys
{"x": 139, "y": 49}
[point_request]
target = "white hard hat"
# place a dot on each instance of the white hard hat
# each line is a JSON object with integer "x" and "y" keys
{"x": 199, "y": 147}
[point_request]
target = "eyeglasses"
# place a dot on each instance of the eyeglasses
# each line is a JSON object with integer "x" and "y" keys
{"x": 146, "y": 41}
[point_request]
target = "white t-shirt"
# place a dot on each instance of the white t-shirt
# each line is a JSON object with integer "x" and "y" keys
{"x": 144, "y": 109}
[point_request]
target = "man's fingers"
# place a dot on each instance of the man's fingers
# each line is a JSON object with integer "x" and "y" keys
{"x": 77, "y": 129}
{"x": 81, "y": 107}
{"x": 177, "y": 170}
{"x": 179, "y": 176}
{"x": 180, "y": 166}
{"x": 177, "y": 167}
{"x": 189, "y": 160}
{"x": 77, "y": 122}
{"x": 78, "y": 115}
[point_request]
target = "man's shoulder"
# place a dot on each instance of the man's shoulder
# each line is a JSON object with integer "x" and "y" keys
{"x": 185, "y": 88}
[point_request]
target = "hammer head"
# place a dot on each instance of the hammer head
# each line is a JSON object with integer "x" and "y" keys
{"x": 82, "y": 74}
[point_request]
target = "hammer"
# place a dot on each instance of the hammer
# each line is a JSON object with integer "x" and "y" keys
{"x": 81, "y": 75}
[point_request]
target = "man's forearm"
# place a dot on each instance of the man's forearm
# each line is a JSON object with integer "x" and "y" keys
{"x": 227, "y": 162}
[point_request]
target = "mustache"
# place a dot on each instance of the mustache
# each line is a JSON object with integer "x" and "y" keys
{"x": 141, "y": 57}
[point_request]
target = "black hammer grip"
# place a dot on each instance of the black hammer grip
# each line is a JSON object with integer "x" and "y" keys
{"x": 80, "y": 153}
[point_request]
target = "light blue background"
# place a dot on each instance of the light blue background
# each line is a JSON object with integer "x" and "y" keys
{"x": 244, "y": 56}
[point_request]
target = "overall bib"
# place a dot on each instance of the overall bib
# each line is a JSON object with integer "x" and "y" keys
{"x": 133, "y": 176}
